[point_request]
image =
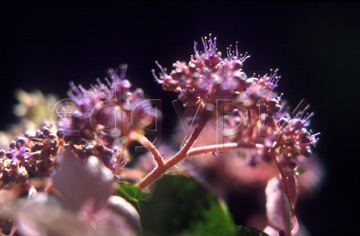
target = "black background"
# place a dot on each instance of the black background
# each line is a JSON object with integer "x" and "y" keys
{"x": 316, "y": 46}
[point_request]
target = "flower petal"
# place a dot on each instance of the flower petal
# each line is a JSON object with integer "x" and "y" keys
{"x": 81, "y": 181}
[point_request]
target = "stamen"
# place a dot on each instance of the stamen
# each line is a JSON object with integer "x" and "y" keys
{"x": 156, "y": 78}
{"x": 123, "y": 69}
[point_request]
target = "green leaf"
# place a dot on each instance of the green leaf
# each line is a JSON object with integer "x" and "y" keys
{"x": 179, "y": 205}
{"x": 132, "y": 194}
{"x": 249, "y": 231}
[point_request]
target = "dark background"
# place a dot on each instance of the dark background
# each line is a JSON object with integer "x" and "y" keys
{"x": 316, "y": 46}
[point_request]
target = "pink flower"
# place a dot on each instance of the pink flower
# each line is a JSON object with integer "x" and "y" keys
{"x": 207, "y": 77}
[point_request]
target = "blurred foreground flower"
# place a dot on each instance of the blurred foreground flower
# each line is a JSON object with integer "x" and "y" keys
{"x": 82, "y": 203}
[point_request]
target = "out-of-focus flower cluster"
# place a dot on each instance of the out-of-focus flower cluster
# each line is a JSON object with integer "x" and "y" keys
{"x": 34, "y": 107}
{"x": 32, "y": 110}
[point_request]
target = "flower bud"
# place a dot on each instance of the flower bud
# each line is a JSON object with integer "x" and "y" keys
{"x": 9, "y": 155}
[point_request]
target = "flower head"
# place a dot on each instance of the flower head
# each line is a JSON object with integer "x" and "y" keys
{"x": 29, "y": 154}
{"x": 207, "y": 77}
{"x": 106, "y": 111}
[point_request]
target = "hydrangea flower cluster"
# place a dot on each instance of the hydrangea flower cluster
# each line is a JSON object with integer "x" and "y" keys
{"x": 30, "y": 154}
{"x": 255, "y": 109}
{"x": 207, "y": 77}
{"x": 255, "y": 117}
{"x": 106, "y": 119}
{"x": 270, "y": 124}
{"x": 106, "y": 112}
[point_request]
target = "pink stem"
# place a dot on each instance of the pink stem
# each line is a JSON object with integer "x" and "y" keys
{"x": 150, "y": 146}
{"x": 220, "y": 148}
{"x": 178, "y": 157}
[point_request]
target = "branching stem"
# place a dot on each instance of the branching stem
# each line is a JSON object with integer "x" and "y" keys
{"x": 179, "y": 156}
{"x": 150, "y": 146}
{"x": 185, "y": 152}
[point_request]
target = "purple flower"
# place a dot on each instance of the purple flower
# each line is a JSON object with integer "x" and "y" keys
{"x": 29, "y": 154}
{"x": 106, "y": 111}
